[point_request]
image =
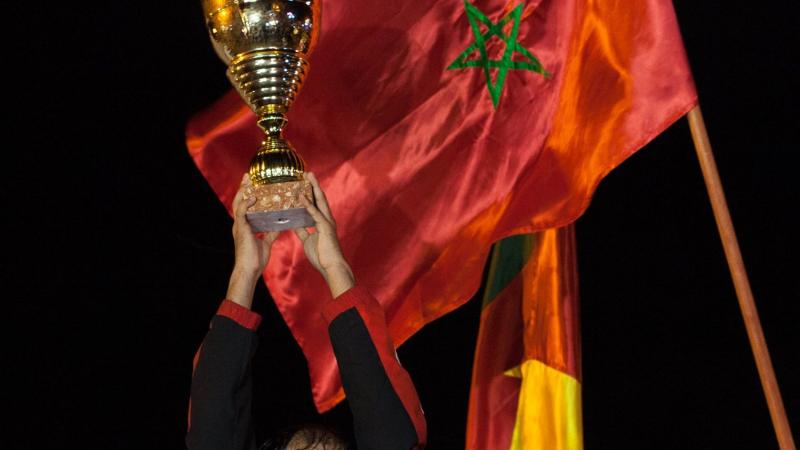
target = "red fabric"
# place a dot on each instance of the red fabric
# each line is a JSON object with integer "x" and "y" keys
{"x": 239, "y": 314}
{"x": 493, "y": 395}
{"x": 550, "y": 304}
{"x": 371, "y": 313}
{"x": 534, "y": 317}
{"x": 422, "y": 173}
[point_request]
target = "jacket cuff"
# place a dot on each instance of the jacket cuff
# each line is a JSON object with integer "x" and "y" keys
{"x": 239, "y": 314}
{"x": 352, "y": 297}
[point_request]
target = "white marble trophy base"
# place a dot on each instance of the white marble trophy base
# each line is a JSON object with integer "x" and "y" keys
{"x": 278, "y": 206}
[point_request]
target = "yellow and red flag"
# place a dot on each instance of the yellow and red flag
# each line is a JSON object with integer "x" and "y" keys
{"x": 525, "y": 391}
{"x": 439, "y": 128}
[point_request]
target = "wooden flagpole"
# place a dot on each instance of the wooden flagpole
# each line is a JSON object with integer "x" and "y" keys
{"x": 740, "y": 280}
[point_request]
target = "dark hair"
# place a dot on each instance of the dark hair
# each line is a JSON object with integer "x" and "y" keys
{"x": 315, "y": 437}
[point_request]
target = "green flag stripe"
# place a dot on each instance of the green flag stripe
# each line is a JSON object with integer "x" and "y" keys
{"x": 508, "y": 258}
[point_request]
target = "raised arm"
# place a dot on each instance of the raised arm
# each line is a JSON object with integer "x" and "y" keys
{"x": 220, "y": 405}
{"x": 386, "y": 410}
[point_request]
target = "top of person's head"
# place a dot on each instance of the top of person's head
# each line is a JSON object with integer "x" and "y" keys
{"x": 308, "y": 437}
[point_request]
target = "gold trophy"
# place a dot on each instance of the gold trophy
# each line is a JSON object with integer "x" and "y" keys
{"x": 266, "y": 44}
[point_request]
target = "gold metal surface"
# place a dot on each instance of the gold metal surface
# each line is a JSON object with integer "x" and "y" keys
{"x": 266, "y": 44}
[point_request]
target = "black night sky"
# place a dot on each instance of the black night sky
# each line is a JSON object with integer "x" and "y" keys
{"x": 117, "y": 252}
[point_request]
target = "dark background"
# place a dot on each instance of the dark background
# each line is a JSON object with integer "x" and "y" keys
{"x": 116, "y": 251}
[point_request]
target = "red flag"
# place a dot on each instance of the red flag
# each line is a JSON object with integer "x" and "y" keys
{"x": 525, "y": 391}
{"x": 493, "y": 394}
{"x": 423, "y": 173}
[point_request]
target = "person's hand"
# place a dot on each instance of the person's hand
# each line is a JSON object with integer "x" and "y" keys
{"x": 252, "y": 250}
{"x": 322, "y": 247}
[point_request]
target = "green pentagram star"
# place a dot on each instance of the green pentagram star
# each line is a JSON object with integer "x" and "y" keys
{"x": 503, "y": 65}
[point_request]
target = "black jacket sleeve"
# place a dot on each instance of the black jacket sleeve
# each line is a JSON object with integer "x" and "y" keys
{"x": 221, "y": 394}
{"x": 386, "y": 410}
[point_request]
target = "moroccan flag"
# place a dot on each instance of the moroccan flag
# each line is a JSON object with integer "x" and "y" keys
{"x": 438, "y": 128}
{"x": 525, "y": 391}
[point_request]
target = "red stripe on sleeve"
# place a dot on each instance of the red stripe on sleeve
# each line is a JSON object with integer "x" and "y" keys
{"x": 239, "y": 314}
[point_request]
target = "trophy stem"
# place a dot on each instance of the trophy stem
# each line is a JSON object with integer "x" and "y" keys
{"x": 276, "y": 161}
{"x": 272, "y": 123}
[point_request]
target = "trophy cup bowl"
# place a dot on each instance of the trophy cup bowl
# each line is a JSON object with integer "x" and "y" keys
{"x": 266, "y": 44}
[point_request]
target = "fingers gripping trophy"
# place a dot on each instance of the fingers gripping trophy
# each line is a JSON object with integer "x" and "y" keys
{"x": 266, "y": 44}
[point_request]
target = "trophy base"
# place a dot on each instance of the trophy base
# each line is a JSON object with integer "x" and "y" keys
{"x": 286, "y": 219}
{"x": 278, "y": 206}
